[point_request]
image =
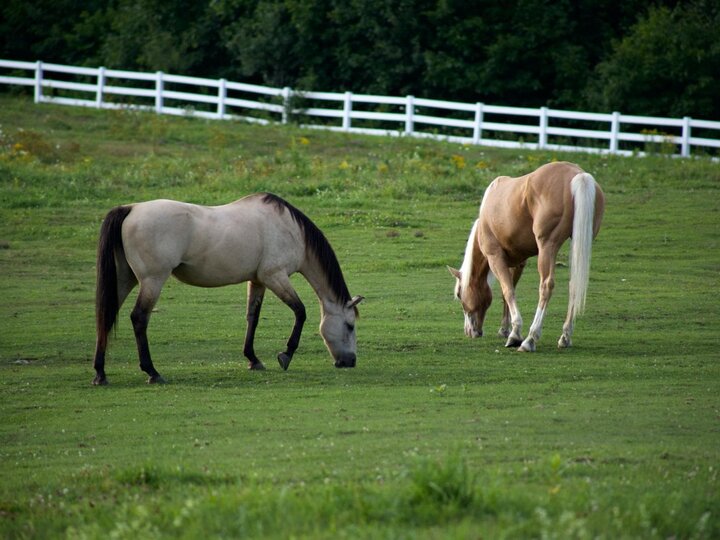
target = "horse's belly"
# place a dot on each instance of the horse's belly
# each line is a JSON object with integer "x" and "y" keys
{"x": 211, "y": 276}
{"x": 520, "y": 248}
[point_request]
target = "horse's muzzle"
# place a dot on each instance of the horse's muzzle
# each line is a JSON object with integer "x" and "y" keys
{"x": 345, "y": 361}
{"x": 472, "y": 328}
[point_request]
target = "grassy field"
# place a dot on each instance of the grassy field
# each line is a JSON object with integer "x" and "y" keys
{"x": 432, "y": 435}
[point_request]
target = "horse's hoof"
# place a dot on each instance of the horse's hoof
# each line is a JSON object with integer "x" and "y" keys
{"x": 156, "y": 379}
{"x": 256, "y": 366}
{"x": 527, "y": 346}
{"x": 284, "y": 360}
{"x": 564, "y": 342}
{"x": 100, "y": 381}
{"x": 503, "y": 333}
{"x": 513, "y": 342}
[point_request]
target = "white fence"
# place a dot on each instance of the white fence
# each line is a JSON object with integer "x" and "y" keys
{"x": 467, "y": 123}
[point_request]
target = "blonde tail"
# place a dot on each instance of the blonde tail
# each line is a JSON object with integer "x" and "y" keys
{"x": 583, "y": 192}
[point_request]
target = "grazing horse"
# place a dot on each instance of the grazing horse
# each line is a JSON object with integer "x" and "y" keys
{"x": 519, "y": 218}
{"x": 260, "y": 239}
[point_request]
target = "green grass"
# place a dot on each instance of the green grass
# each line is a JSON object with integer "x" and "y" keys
{"x": 432, "y": 435}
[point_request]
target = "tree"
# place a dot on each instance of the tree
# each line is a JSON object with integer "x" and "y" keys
{"x": 667, "y": 65}
{"x": 64, "y": 31}
{"x": 165, "y": 35}
{"x": 660, "y": 57}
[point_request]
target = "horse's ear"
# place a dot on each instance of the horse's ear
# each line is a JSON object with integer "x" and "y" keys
{"x": 455, "y": 272}
{"x": 354, "y": 301}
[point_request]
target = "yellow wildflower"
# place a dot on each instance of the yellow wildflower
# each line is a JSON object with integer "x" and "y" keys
{"x": 458, "y": 161}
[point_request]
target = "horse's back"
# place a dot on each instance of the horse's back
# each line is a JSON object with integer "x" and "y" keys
{"x": 516, "y": 212}
{"x": 209, "y": 245}
{"x": 521, "y": 196}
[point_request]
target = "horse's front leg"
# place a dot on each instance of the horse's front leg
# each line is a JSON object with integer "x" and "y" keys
{"x": 504, "y": 330}
{"x": 294, "y": 340}
{"x": 505, "y": 325}
{"x": 256, "y": 293}
{"x": 505, "y": 276}
{"x": 280, "y": 285}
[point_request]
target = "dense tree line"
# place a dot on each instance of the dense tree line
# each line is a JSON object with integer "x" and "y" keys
{"x": 658, "y": 57}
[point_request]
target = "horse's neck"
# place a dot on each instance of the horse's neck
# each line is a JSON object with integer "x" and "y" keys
{"x": 317, "y": 278}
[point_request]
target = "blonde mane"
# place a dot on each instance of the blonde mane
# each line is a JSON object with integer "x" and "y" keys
{"x": 467, "y": 264}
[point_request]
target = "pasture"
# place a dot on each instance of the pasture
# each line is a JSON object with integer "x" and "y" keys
{"x": 432, "y": 435}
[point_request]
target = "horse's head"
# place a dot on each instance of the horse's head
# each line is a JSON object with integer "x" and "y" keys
{"x": 337, "y": 329}
{"x": 475, "y": 299}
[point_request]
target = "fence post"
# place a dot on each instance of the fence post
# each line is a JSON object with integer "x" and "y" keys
{"x": 542, "y": 136}
{"x": 685, "y": 147}
{"x": 158, "y": 92}
{"x": 347, "y": 111}
{"x": 614, "y": 132}
{"x": 409, "y": 114}
{"x": 477, "y": 128}
{"x": 286, "y": 104}
{"x": 222, "y": 94}
{"x": 100, "y": 87}
{"x": 38, "y": 81}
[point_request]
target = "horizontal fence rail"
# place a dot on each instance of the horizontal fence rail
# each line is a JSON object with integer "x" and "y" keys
{"x": 466, "y": 123}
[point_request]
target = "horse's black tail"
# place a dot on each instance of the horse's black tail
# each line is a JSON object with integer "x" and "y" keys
{"x": 107, "y": 303}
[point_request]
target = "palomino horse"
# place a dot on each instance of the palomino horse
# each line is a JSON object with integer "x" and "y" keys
{"x": 260, "y": 239}
{"x": 519, "y": 218}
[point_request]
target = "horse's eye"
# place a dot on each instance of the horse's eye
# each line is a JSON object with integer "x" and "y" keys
{"x": 349, "y": 327}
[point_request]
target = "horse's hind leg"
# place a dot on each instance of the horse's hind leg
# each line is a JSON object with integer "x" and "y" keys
{"x": 565, "y": 341}
{"x": 125, "y": 282}
{"x": 256, "y": 292}
{"x": 140, "y": 317}
{"x": 546, "y": 268}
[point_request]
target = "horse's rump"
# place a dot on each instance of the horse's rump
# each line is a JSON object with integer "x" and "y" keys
{"x": 516, "y": 211}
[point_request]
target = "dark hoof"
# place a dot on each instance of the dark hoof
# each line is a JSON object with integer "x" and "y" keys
{"x": 256, "y": 366}
{"x": 156, "y": 379}
{"x": 284, "y": 360}
{"x": 100, "y": 381}
{"x": 513, "y": 343}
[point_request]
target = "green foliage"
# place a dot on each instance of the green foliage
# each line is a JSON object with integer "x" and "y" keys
{"x": 69, "y": 31}
{"x": 667, "y": 65}
{"x": 440, "y": 484}
{"x": 432, "y": 435}
{"x": 638, "y": 57}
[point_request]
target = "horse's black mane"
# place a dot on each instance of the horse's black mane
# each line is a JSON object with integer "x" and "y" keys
{"x": 318, "y": 245}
